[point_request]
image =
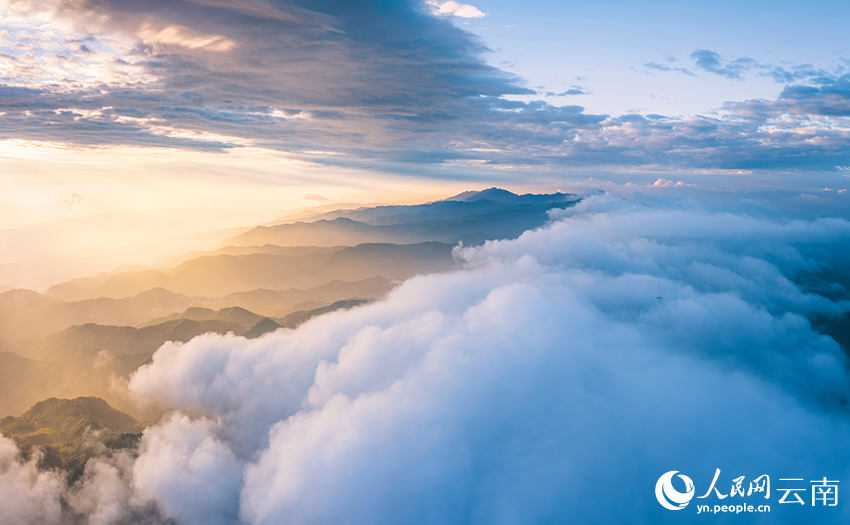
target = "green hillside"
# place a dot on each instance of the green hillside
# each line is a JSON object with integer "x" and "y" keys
{"x": 68, "y": 431}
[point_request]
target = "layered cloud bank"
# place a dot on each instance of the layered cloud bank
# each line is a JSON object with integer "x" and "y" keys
{"x": 554, "y": 379}
{"x": 374, "y": 84}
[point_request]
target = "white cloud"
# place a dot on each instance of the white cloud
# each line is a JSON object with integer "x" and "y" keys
{"x": 189, "y": 472}
{"x": 522, "y": 386}
{"x": 26, "y": 494}
{"x": 104, "y": 495}
{"x": 452, "y": 8}
{"x": 664, "y": 183}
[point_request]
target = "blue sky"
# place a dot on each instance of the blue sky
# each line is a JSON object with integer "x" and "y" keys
{"x": 406, "y": 100}
{"x": 608, "y": 45}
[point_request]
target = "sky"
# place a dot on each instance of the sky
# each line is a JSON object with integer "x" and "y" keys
{"x": 627, "y": 57}
{"x": 273, "y": 105}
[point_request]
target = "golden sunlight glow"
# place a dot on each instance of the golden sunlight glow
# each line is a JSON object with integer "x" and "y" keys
{"x": 39, "y": 176}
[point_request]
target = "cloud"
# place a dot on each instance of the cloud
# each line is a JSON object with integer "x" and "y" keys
{"x": 468, "y": 396}
{"x": 455, "y": 9}
{"x": 27, "y": 495}
{"x": 574, "y": 90}
{"x": 655, "y": 65}
{"x": 384, "y": 87}
{"x": 105, "y": 493}
{"x": 184, "y": 37}
{"x": 227, "y": 69}
{"x": 664, "y": 183}
{"x": 313, "y": 197}
{"x": 191, "y": 474}
{"x": 662, "y": 67}
{"x": 555, "y": 377}
{"x": 710, "y": 61}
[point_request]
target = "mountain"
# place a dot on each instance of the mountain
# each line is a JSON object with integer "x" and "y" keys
{"x": 120, "y": 340}
{"x": 66, "y": 428}
{"x": 86, "y": 335}
{"x": 220, "y": 275}
{"x": 262, "y": 327}
{"x": 466, "y": 204}
{"x": 70, "y": 289}
{"x": 340, "y": 231}
{"x": 274, "y": 303}
{"x": 129, "y": 339}
{"x": 293, "y": 320}
{"x": 506, "y": 197}
{"x": 62, "y": 418}
{"x": 82, "y": 371}
{"x": 237, "y": 315}
{"x": 87, "y": 360}
{"x": 470, "y": 217}
{"x": 26, "y": 315}
{"x": 296, "y": 318}
{"x": 269, "y": 249}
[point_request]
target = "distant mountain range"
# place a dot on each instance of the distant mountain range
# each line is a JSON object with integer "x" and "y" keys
{"x": 25, "y": 314}
{"x": 219, "y": 275}
{"x": 86, "y": 335}
{"x": 469, "y": 217}
{"x": 66, "y": 428}
{"x": 85, "y": 360}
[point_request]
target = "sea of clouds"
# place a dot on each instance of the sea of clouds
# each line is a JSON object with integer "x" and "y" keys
{"x": 551, "y": 380}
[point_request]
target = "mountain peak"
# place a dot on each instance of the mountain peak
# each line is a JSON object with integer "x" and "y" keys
{"x": 493, "y": 194}
{"x": 63, "y": 414}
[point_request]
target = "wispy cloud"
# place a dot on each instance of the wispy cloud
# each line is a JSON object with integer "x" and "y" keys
{"x": 710, "y": 61}
{"x": 662, "y": 67}
{"x": 313, "y": 197}
{"x": 574, "y": 90}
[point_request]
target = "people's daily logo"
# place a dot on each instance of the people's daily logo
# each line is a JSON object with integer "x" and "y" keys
{"x": 744, "y": 497}
{"x": 669, "y": 497}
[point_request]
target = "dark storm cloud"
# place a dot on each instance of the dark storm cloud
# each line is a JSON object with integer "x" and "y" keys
{"x": 382, "y": 84}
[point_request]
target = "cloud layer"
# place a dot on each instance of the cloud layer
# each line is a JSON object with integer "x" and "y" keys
{"x": 555, "y": 378}
{"x": 377, "y": 84}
